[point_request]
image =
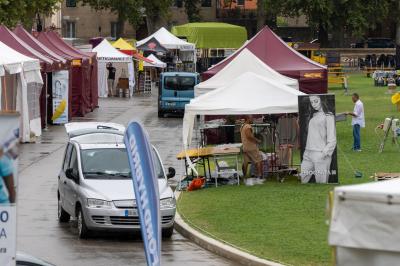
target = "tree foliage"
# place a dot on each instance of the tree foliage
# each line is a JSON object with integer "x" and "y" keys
{"x": 192, "y": 10}
{"x": 133, "y": 11}
{"x": 15, "y": 11}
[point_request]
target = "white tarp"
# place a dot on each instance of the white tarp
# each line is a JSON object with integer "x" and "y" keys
{"x": 27, "y": 70}
{"x": 365, "y": 223}
{"x": 245, "y": 61}
{"x": 106, "y": 53}
{"x": 156, "y": 62}
{"x": 247, "y": 94}
{"x": 168, "y": 40}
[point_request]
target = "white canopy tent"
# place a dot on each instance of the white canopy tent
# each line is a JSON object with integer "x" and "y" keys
{"x": 364, "y": 225}
{"x": 247, "y": 94}
{"x": 168, "y": 40}
{"x": 156, "y": 62}
{"x": 185, "y": 51}
{"x": 106, "y": 53}
{"x": 19, "y": 73}
{"x": 245, "y": 61}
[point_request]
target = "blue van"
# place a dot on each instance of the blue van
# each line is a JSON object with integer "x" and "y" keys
{"x": 175, "y": 90}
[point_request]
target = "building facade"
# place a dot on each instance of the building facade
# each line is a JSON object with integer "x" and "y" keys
{"x": 76, "y": 21}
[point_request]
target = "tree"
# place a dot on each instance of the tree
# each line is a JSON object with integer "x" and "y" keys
{"x": 126, "y": 10}
{"x": 339, "y": 17}
{"x": 133, "y": 11}
{"x": 25, "y": 11}
{"x": 156, "y": 11}
{"x": 192, "y": 10}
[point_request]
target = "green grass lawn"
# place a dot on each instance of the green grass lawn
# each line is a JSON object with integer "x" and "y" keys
{"x": 286, "y": 222}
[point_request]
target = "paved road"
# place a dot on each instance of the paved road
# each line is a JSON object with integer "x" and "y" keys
{"x": 39, "y": 232}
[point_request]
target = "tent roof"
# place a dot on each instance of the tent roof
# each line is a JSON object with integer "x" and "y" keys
{"x": 366, "y": 216}
{"x": 121, "y": 44}
{"x": 270, "y": 49}
{"x": 13, "y": 41}
{"x": 247, "y": 94}
{"x": 168, "y": 40}
{"x": 156, "y": 62}
{"x": 14, "y": 62}
{"x": 34, "y": 43}
{"x": 267, "y": 46}
{"x": 152, "y": 45}
{"x": 245, "y": 61}
{"x": 54, "y": 37}
{"x": 43, "y": 38}
{"x": 212, "y": 34}
{"x": 106, "y": 52}
{"x": 263, "y": 96}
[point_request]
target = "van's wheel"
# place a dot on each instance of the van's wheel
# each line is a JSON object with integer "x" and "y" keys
{"x": 167, "y": 232}
{"x": 160, "y": 114}
{"x": 63, "y": 216}
{"x": 83, "y": 231}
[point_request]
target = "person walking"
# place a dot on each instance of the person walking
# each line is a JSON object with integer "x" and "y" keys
{"x": 110, "y": 79}
{"x": 251, "y": 153}
{"x": 357, "y": 121}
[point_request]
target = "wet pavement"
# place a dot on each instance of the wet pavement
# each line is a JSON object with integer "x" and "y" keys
{"x": 39, "y": 232}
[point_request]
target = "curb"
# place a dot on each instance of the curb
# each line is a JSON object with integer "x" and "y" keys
{"x": 216, "y": 246}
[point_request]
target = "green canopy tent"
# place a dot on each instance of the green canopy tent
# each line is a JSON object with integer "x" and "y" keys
{"x": 208, "y": 35}
{"x": 214, "y": 40}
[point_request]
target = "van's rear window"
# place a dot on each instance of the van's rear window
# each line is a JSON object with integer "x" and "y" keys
{"x": 179, "y": 83}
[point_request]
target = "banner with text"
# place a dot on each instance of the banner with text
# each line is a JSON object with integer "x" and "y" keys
{"x": 60, "y": 93}
{"x": 318, "y": 138}
{"x": 9, "y": 141}
{"x": 145, "y": 185}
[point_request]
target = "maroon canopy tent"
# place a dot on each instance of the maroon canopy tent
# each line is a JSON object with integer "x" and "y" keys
{"x": 91, "y": 79}
{"x": 41, "y": 48}
{"x": 48, "y": 64}
{"x": 59, "y": 64}
{"x": 79, "y": 64}
{"x": 267, "y": 46}
{"x": 13, "y": 41}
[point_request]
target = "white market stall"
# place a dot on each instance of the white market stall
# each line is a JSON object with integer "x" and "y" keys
{"x": 249, "y": 93}
{"x": 18, "y": 74}
{"x": 184, "y": 53}
{"x": 123, "y": 63}
{"x": 155, "y": 62}
{"x": 364, "y": 225}
{"x": 245, "y": 61}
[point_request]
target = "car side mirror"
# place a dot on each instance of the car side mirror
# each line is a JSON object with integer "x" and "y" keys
{"x": 171, "y": 172}
{"x": 69, "y": 173}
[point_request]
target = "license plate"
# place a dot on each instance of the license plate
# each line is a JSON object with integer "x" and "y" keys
{"x": 130, "y": 212}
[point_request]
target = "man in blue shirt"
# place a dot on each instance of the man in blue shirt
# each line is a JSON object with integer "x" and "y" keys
{"x": 7, "y": 190}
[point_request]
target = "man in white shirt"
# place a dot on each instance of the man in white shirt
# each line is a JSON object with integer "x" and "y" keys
{"x": 357, "y": 121}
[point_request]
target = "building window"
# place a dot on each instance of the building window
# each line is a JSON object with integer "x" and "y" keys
{"x": 240, "y": 2}
{"x": 206, "y": 3}
{"x": 70, "y": 3}
{"x": 70, "y": 29}
{"x": 178, "y": 3}
{"x": 114, "y": 30}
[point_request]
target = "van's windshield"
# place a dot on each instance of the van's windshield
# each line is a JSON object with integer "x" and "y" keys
{"x": 111, "y": 163}
{"x": 179, "y": 83}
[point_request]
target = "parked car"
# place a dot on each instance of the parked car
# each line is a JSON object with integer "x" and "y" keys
{"x": 175, "y": 90}
{"x": 23, "y": 259}
{"x": 376, "y": 43}
{"x": 95, "y": 185}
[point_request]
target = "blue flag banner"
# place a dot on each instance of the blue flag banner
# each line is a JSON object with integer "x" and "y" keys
{"x": 145, "y": 185}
